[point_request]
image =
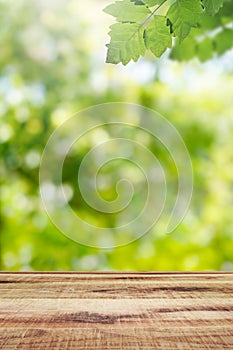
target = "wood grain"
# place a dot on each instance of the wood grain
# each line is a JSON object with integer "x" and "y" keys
{"x": 116, "y": 311}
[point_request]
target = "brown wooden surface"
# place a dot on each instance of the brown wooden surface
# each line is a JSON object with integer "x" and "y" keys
{"x": 116, "y": 311}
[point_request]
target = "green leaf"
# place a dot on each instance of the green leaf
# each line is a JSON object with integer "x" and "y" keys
{"x": 127, "y": 11}
{"x": 157, "y": 36}
{"x": 183, "y": 15}
{"x": 223, "y": 41}
{"x": 212, "y": 6}
{"x": 126, "y": 43}
{"x": 184, "y": 51}
{"x": 152, "y": 3}
{"x": 149, "y": 3}
{"x": 208, "y": 22}
{"x": 205, "y": 49}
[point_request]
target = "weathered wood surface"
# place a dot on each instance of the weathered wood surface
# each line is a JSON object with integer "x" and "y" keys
{"x": 116, "y": 311}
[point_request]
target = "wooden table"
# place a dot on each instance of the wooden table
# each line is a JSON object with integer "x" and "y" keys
{"x": 116, "y": 311}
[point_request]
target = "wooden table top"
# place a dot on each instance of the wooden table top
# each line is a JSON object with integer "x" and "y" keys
{"x": 116, "y": 311}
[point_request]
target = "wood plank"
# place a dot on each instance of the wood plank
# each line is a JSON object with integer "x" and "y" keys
{"x": 116, "y": 311}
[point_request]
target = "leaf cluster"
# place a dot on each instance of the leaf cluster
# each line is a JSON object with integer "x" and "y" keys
{"x": 143, "y": 25}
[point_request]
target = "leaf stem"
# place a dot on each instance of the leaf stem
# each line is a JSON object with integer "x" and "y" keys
{"x": 147, "y": 19}
{"x": 153, "y": 12}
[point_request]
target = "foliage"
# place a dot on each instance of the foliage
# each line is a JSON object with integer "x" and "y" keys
{"x": 48, "y": 72}
{"x": 152, "y": 24}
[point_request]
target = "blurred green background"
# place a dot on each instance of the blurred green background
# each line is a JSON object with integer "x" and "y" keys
{"x": 52, "y": 65}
